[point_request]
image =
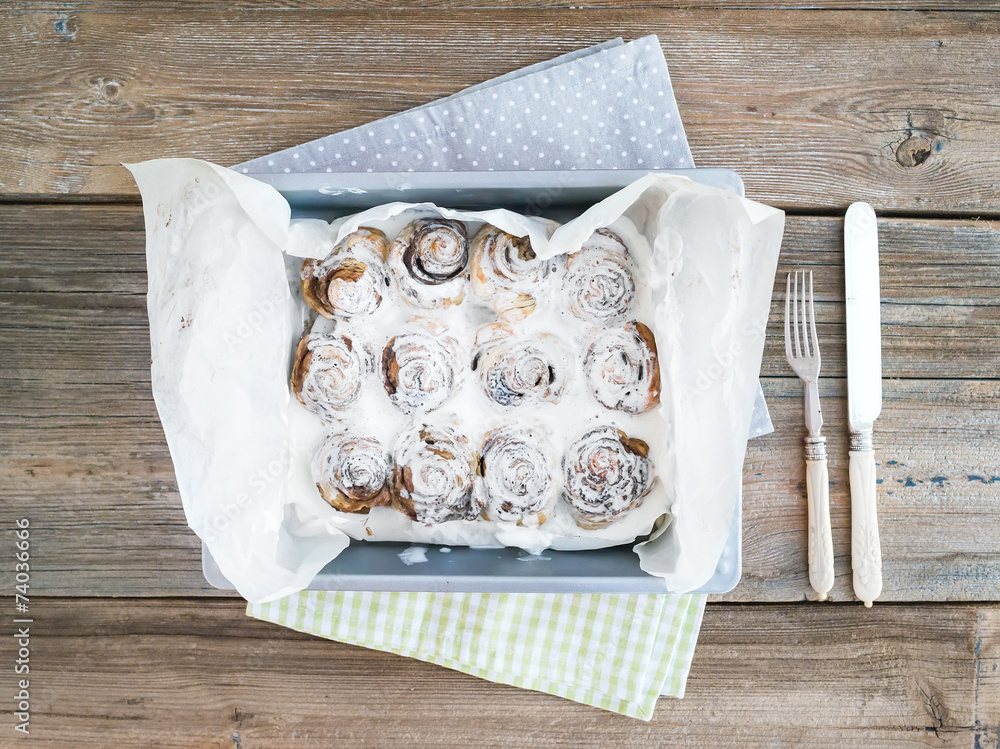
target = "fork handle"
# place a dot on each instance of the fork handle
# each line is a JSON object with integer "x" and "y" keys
{"x": 866, "y": 552}
{"x": 820, "y": 537}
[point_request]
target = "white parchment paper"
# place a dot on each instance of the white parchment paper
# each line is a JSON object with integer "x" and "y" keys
{"x": 223, "y": 320}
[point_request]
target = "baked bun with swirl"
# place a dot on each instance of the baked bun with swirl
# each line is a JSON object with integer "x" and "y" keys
{"x": 329, "y": 372}
{"x": 420, "y": 367}
{"x": 622, "y": 368}
{"x": 506, "y": 273}
{"x": 429, "y": 262}
{"x": 352, "y": 472}
{"x": 517, "y": 369}
{"x": 433, "y": 475}
{"x": 519, "y": 469}
{"x": 352, "y": 279}
{"x": 606, "y": 474}
{"x": 598, "y": 284}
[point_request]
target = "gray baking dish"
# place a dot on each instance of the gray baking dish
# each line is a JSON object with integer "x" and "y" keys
{"x": 559, "y": 195}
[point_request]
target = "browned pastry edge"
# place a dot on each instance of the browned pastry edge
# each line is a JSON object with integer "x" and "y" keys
{"x": 303, "y": 357}
{"x": 403, "y": 477}
{"x": 654, "y": 388}
{"x": 634, "y": 444}
{"x": 390, "y": 368}
{"x": 314, "y": 288}
{"x": 345, "y": 503}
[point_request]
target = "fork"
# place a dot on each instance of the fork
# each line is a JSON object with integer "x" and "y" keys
{"x": 802, "y": 352}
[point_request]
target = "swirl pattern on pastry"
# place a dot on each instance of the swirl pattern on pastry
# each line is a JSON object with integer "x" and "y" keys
{"x": 433, "y": 475}
{"x": 329, "y": 372}
{"x": 606, "y": 475}
{"x": 352, "y": 472}
{"x": 420, "y": 368}
{"x": 507, "y": 273}
{"x": 622, "y": 368}
{"x": 598, "y": 283}
{"x": 519, "y": 468}
{"x": 429, "y": 262}
{"x": 520, "y": 369}
{"x": 352, "y": 279}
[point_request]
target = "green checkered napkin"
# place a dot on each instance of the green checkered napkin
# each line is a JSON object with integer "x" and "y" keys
{"x": 617, "y": 652}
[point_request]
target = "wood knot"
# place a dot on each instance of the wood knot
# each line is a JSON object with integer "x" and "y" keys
{"x": 914, "y": 151}
{"x": 65, "y": 25}
{"x": 107, "y": 91}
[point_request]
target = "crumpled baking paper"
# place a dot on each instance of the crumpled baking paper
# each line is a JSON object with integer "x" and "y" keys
{"x": 222, "y": 324}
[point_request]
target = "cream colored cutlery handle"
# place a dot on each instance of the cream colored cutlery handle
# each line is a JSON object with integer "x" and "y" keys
{"x": 866, "y": 553}
{"x": 820, "y": 538}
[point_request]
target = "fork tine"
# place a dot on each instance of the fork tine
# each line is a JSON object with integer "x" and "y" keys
{"x": 795, "y": 315}
{"x": 788, "y": 302}
{"x": 812, "y": 322}
{"x": 805, "y": 324}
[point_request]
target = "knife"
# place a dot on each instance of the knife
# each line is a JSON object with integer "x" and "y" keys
{"x": 864, "y": 393}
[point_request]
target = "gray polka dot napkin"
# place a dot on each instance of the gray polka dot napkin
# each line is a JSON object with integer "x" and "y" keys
{"x": 606, "y": 107}
{"x": 610, "y": 106}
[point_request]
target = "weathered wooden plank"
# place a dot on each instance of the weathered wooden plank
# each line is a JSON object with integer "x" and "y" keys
{"x": 100, "y": 492}
{"x": 79, "y": 6}
{"x": 938, "y": 493}
{"x": 82, "y": 452}
{"x": 816, "y": 109}
{"x": 198, "y": 673}
{"x": 72, "y": 281}
{"x": 986, "y": 698}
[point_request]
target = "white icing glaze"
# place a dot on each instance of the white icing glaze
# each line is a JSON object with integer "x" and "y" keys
{"x": 335, "y": 370}
{"x": 519, "y": 369}
{"x": 471, "y": 413}
{"x": 352, "y": 472}
{"x": 519, "y": 469}
{"x": 433, "y": 474}
{"x": 353, "y": 279}
{"x": 429, "y": 263}
{"x": 606, "y": 475}
{"x": 598, "y": 284}
{"x": 622, "y": 369}
{"x": 421, "y": 367}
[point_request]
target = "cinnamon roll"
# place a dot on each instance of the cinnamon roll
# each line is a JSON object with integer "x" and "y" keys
{"x": 622, "y": 369}
{"x": 433, "y": 475}
{"x": 506, "y": 272}
{"x": 352, "y": 472}
{"x": 429, "y": 262}
{"x": 329, "y": 372}
{"x": 520, "y": 369}
{"x": 598, "y": 283}
{"x": 352, "y": 280}
{"x": 420, "y": 368}
{"x": 606, "y": 474}
{"x": 519, "y": 468}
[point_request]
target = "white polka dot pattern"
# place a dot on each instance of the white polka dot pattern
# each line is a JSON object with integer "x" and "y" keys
{"x": 554, "y": 115}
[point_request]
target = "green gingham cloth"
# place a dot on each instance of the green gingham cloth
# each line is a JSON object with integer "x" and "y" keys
{"x": 612, "y": 651}
{"x": 617, "y": 652}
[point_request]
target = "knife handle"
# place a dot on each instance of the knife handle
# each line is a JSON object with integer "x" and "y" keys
{"x": 820, "y": 536}
{"x": 866, "y": 553}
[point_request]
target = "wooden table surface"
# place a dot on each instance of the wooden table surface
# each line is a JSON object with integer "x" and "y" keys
{"x": 894, "y": 103}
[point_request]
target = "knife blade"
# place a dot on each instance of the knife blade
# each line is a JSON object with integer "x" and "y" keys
{"x": 864, "y": 392}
